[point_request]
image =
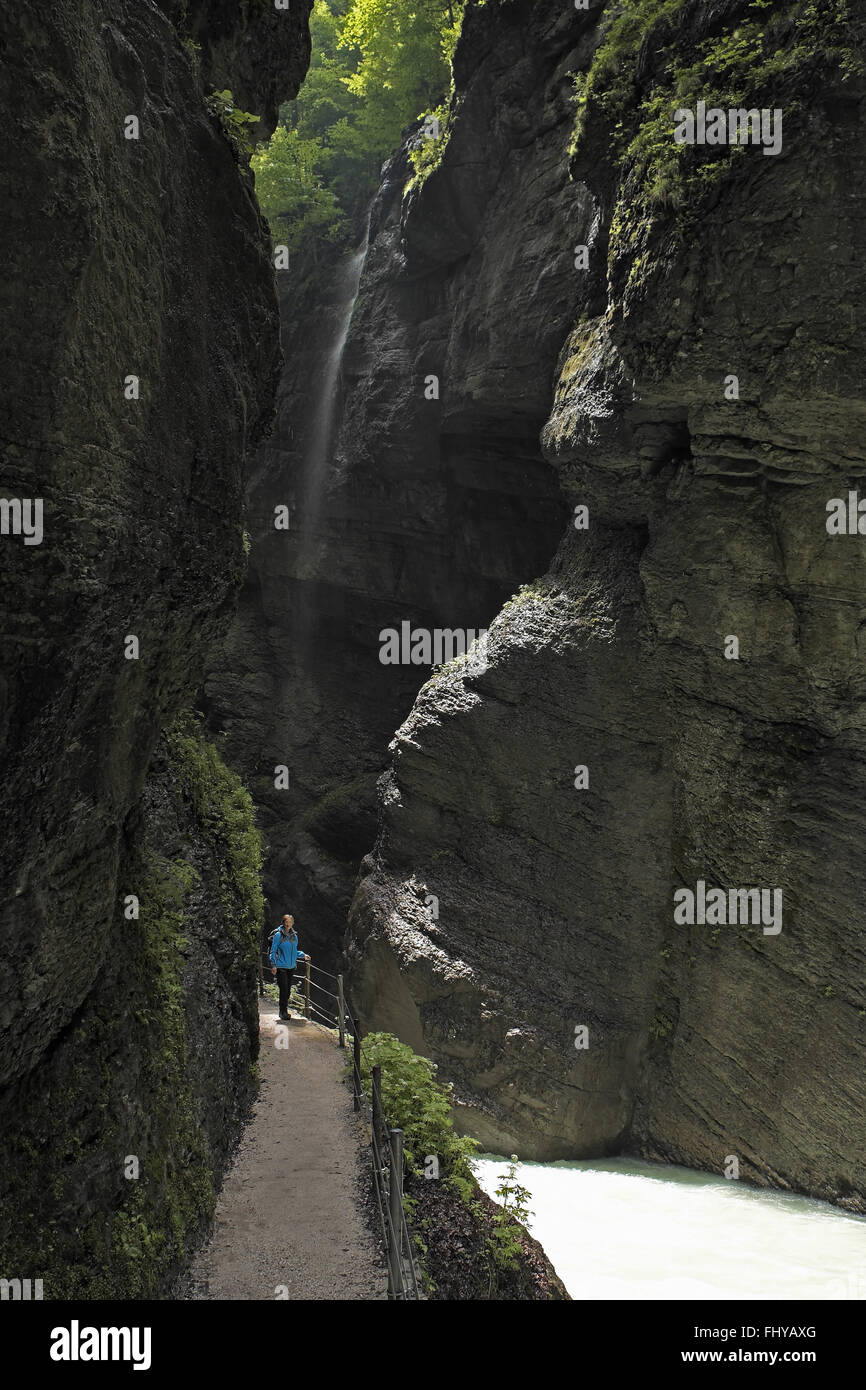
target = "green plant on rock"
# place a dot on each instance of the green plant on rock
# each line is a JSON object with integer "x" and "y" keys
{"x": 193, "y": 53}
{"x": 225, "y": 810}
{"x": 651, "y": 61}
{"x": 235, "y": 122}
{"x": 661, "y": 1026}
{"x": 426, "y": 154}
{"x": 419, "y": 1105}
{"x": 505, "y": 1243}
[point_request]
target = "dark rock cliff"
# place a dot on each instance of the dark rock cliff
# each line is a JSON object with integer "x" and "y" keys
{"x": 706, "y": 519}
{"x": 432, "y": 511}
{"x": 124, "y": 258}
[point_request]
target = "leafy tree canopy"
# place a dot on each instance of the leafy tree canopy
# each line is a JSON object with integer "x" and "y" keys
{"x": 376, "y": 66}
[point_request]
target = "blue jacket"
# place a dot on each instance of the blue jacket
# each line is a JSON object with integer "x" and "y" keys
{"x": 285, "y": 952}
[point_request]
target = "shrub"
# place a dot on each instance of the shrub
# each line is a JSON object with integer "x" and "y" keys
{"x": 416, "y": 1103}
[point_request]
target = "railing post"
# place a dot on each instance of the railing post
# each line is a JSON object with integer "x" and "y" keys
{"x": 377, "y": 1103}
{"x": 395, "y": 1203}
{"x": 307, "y": 987}
{"x": 356, "y": 1066}
{"x": 341, "y": 1011}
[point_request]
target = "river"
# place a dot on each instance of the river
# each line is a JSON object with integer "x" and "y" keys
{"x": 624, "y": 1229}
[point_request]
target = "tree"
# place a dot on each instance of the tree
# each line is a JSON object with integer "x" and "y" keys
{"x": 376, "y": 65}
{"x": 290, "y": 190}
{"x": 405, "y": 58}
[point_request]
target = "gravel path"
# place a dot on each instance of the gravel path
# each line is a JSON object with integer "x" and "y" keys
{"x": 290, "y": 1212}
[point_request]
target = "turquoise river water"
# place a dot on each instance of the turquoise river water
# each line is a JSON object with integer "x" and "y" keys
{"x": 623, "y": 1229}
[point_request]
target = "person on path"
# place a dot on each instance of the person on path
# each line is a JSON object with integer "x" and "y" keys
{"x": 285, "y": 955}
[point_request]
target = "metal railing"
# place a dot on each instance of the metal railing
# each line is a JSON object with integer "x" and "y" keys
{"x": 313, "y": 1007}
{"x": 386, "y": 1141}
{"x": 386, "y": 1148}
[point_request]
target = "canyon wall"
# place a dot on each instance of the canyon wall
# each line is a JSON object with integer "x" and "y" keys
{"x": 125, "y": 258}
{"x": 508, "y": 905}
{"x": 422, "y": 510}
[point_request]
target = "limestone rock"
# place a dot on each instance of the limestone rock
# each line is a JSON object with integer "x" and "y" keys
{"x": 124, "y": 258}
{"x": 706, "y": 519}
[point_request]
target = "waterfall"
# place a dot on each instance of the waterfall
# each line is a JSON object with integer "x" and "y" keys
{"x": 321, "y": 436}
{"x": 326, "y": 412}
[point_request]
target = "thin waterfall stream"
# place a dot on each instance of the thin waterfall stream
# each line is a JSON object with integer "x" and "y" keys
{"x": 318, "y": 451}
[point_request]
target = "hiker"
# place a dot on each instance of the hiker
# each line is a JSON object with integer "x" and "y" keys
{"x": 284, "y": 957}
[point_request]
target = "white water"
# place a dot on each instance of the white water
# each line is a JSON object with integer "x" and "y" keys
{"x": 623, "y": 1229}
{"x": 317, "y": 458}
{"x": 326, "y": 409}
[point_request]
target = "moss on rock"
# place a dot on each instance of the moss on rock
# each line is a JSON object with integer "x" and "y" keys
{"x": 655, "y": 57}
{"x": 156, "y": 1073}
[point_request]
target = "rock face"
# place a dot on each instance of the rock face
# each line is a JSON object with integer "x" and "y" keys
{"x": 126, "y": 258}
{"x": 254, "y": 50}
{"x": 506, "y": 906}
{"x": 113, "y": 1146}
{"x": 427, "y": 511}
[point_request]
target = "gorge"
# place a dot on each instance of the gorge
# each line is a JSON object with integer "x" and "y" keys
{"x": 706, "y": 512}
{"x": 491, "y": 844}
{"x": 706, "y": 517}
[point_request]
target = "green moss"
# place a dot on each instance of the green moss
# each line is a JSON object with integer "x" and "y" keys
{"x": 661, "y": 1026}
{"x": 428, "y": 154}
{"x": 119, "y": 1082}
{"x": 650, "y": 61}
{"x": 342, "y": 799}
{"x": 224, "y": 809}
{"x": 193, "y": 53}
{"x": 469, "y": 658}
{"x": 536, "y": 592}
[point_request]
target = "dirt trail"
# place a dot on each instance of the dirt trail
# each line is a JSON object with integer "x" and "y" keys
{"x": 289, "y": 1210}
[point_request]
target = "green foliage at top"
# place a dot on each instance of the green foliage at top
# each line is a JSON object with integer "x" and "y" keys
{"x": 770, "y": 55}
{"x": 416, "y": 1103}
{"x": 293, "y": 193}
{"x": 376, "y": 66}
{"x": 421, "y": 38}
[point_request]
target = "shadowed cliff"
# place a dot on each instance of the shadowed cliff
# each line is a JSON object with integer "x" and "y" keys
{"x": 125, "y": 258}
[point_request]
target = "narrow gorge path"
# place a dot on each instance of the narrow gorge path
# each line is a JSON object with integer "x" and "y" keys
{"x": 289, "y": 1213}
